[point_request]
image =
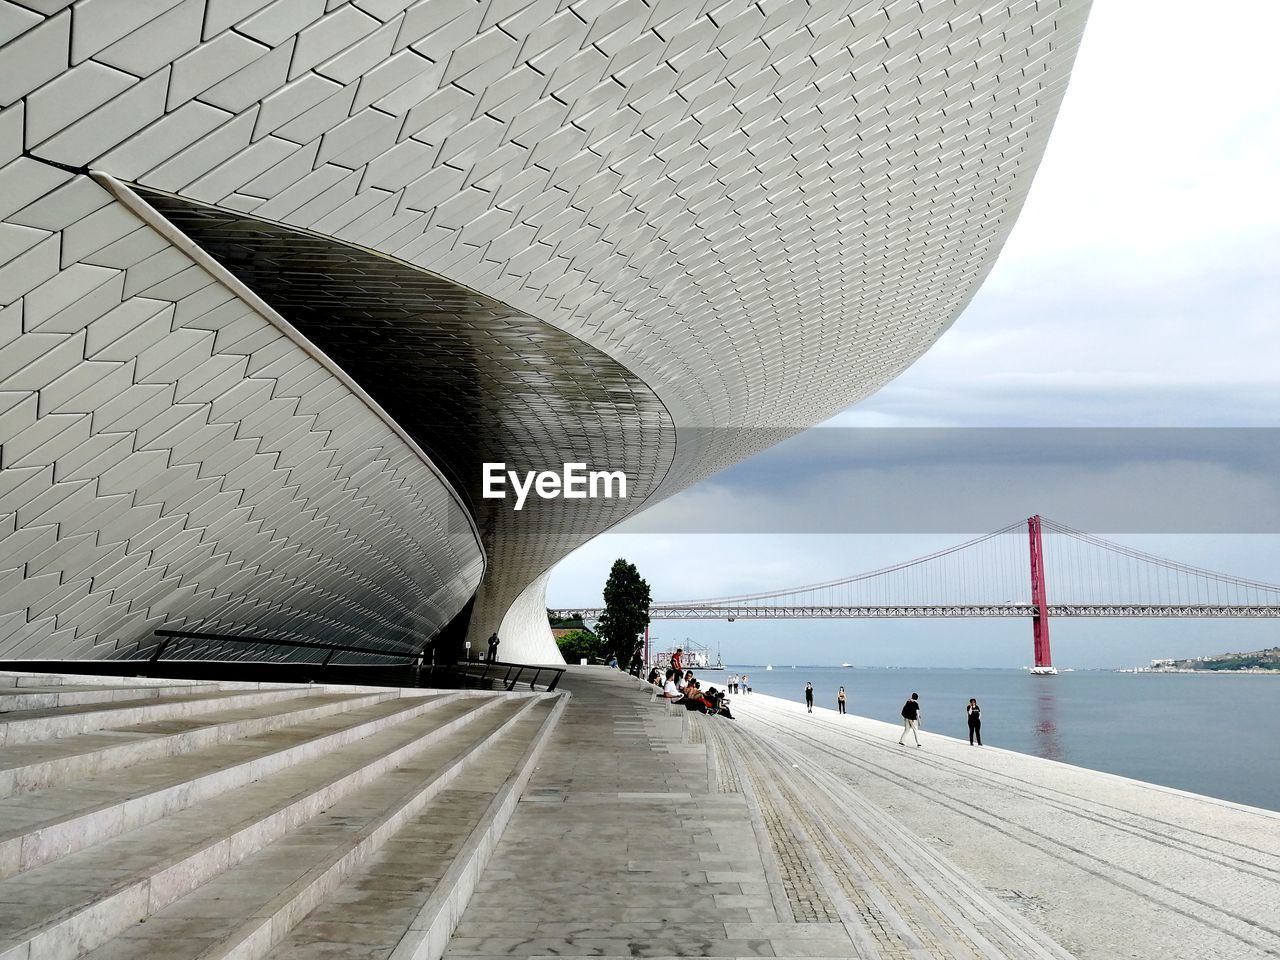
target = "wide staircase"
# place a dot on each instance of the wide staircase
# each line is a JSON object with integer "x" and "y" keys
{"x": 144, "y": 818}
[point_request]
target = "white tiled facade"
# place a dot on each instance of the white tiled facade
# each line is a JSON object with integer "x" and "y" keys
{"x": 762, "y": 210}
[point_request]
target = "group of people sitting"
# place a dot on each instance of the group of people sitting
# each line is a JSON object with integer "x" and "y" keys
{"x": 682, "y": 687}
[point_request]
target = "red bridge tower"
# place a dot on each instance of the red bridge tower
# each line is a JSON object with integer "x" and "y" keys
{"x": 1040, "y": 619}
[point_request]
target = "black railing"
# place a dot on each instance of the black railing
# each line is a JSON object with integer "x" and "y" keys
{"x": 487, "y": 674}
{"x": 409, "y": 671}
{"x": 169, "y": 636}
{"x": 507, "y": 675}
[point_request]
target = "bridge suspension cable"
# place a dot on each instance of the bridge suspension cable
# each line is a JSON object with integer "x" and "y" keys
{"x": 1085, "y": 568}
{"x": 991, "y": 576}
{"x": 906, "y": 568}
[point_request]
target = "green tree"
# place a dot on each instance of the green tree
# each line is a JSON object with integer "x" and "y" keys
{"x": 626, "y": 611}
{"x": 579, "y": 645}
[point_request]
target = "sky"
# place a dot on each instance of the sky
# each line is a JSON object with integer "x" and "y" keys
{"x": 1140, "y": 288}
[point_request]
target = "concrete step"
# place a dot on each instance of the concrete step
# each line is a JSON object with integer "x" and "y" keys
{"x": 46, "y": 763}
{"x": 133, "y": 705}
{"x": 375, "y": 836}
{"x": 17, "y": 678}
{"x": 42, "y": 825}
{"x": 405, "y": 901}
{"x": 44, "y": 697}
{"x": 67, "y": 907}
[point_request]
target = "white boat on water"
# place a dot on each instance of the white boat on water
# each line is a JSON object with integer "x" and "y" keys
{"x": 769, "y": 666}
{"x": 1044, "y": 671}
{"x": 846, "y": 664}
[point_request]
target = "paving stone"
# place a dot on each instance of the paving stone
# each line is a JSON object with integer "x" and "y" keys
{"x": 1077, "y": 853}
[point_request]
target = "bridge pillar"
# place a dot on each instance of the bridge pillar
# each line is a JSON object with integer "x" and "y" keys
{"x": 1040, "y": 618}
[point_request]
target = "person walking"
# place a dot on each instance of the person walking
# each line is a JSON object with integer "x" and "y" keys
{"x": 676, "y": 659}
{"x": 840, "y": 700}
{"x": 974, "y": 713}
{"x": 493, "y": 648}
{"x": 911, "y": 719}
{"x": 808, "y": 696}
{"x": 744, "y": 684}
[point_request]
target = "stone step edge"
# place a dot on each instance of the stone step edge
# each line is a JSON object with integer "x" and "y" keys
{"x": 81, "y": 929}
{"x": 55, "y": 772}
{"x": 255, "y": 938}
{"x": 48, "y": 841}
{"x": 21, "y": 731}
{"x": 17, "y": 699}
{"x": 428, "y": 935}
{"x": 27, "y": 678}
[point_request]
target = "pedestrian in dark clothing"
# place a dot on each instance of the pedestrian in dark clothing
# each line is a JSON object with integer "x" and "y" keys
{"x": 911, "y": 719}
{"x": 808, "y": 696}
{"x": 840, "y": 700}
{"x": 493, "y": 648}
{"x": 974, "y": 713}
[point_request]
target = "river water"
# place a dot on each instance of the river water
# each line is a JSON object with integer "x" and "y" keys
{"x": 1214, "y": 734}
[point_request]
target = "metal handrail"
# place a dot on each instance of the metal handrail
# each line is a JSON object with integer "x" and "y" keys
{"x": 171, "y": 635}
{"x": 509, "y": 681}
{"x": 515, "y": 672}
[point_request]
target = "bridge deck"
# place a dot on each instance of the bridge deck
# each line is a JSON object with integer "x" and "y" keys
{"x": 699, "y": 611}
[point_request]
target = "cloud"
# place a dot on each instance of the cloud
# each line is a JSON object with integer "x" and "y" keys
{"x": 1139, "y": 286}
{"x": 946, "y": 480}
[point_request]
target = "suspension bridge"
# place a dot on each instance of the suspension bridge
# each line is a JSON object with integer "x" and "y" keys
{"x": 1005, "y": 573}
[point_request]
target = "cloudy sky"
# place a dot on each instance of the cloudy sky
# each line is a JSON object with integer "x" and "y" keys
{"x": 1140, "y": 288}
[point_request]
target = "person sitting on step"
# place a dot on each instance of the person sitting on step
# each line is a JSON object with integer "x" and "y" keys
{"x": 669, "y": 689}
{"x": 695, "y": 699}
{"x": 720, "y": 702}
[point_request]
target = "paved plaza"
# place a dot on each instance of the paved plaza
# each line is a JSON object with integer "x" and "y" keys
{"x": 1108, "y": 867}
{"x": 143, "y": 819}
{"x": 651, "y": 831}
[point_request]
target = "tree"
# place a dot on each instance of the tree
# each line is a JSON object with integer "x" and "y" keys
{"x": 626, "y": 611}
{"x": 579, "y": 645}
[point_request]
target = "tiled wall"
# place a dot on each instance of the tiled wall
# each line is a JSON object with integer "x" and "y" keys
{"x": 168, "y": 457}
{"x": 764, "y": 210}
